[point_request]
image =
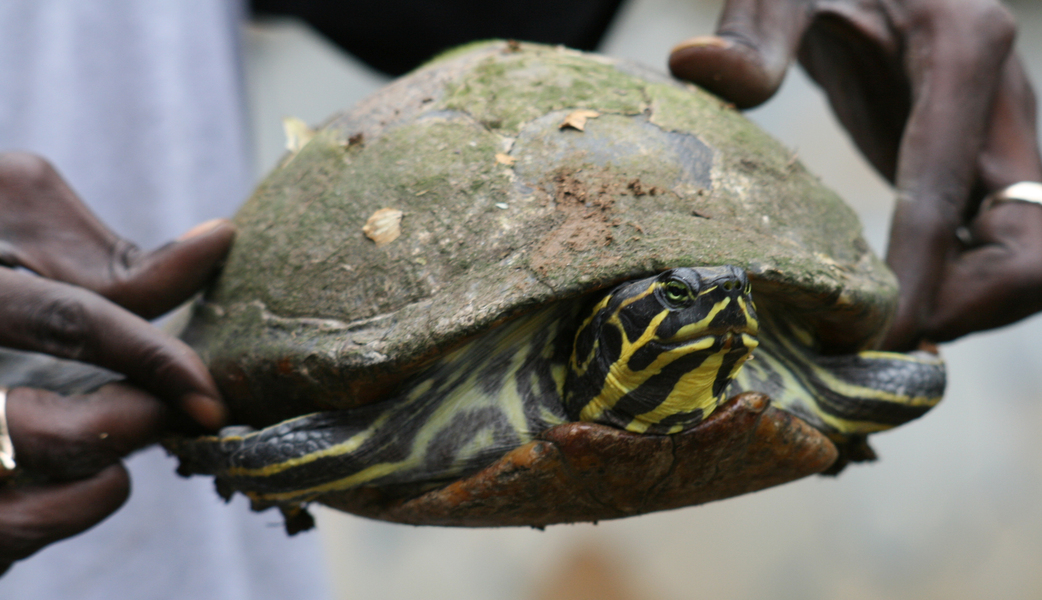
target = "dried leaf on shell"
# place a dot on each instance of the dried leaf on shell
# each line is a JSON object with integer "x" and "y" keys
{"x": 298, "y": 134}
{"x": 384, "y": 226}
{"x": 577, "y": 119}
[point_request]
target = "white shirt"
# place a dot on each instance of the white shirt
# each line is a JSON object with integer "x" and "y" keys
{"x": 139, "y": 104}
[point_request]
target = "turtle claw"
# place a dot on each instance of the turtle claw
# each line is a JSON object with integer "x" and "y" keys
{"x": 224, "y": 489}
{"x": 297, "y": 519}
{"x": 236, "y": 430}
{"x": 853, "y": 449}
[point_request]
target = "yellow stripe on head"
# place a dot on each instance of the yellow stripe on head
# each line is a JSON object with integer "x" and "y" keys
{"x": 661, "y": 351}
{"x": 701, "y": 325}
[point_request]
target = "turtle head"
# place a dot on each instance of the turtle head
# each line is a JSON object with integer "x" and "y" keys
{"x": 656, "y": 355}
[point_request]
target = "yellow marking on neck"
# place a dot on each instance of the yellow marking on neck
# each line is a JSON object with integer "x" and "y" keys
{"x": 580, "y": 368}
{"x": 596, "y": 309}
{"x": 796, "y": 397}
{"x": 559, "y": 373}
{"x": 580, "y": 364}
{"x": 423, "y": 388}
{"x": 620, "y": 380}
{"x": 635, "y": 426}
{"x": 692, "y": 391}
{"x": 805, "y": 337}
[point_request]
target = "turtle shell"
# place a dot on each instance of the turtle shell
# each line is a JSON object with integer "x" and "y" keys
{"x": 514, "y": 175}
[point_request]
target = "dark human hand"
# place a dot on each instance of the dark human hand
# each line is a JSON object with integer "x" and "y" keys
{"x": 936, "y": 100}
{"x": 87, "y": 299}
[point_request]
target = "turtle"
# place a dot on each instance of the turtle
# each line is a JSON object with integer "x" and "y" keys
{"x": 526, "y": 285}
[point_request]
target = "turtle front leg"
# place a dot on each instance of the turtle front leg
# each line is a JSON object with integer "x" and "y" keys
{"x": 287, "y": 464}
{"x": 420, "y": 439}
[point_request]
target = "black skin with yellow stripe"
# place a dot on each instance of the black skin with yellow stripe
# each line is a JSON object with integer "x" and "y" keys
{"x": 656, "y": 356}
{"x": 652, "y": 356}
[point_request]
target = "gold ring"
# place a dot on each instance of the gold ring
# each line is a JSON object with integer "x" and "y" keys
{"x": 1024, "y": 191}
{"x": 6, "y": 446}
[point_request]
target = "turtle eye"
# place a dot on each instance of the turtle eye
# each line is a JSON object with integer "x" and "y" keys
{"x": 677, "y": 293}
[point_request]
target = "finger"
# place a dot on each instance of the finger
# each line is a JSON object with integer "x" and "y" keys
{"x": 951, "y": 52}
{"x": 745, "y": 62}
{"x": 54, "y": 318}
{"x": 996, "y": 283}
{"x": 853, "y": 52}
{"x": 47, "y": 229}
{"x": 152, "y": 284}
{"x": 1011, "y": 152}
{"x": 999, "y": 280}
{"x": 32, "y": 517}
{"x": 73, "y": 437}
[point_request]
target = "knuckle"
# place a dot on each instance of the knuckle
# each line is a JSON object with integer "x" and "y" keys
{"x": 994, "y": 22}
{"x": 121, "y": 269}
{"x": 977, "y": 26}
{"x": 61, "y": 326}
{"x": 26, "y": 170}
{"x": 64, "y": 437}
{"x": 125, "y": 254}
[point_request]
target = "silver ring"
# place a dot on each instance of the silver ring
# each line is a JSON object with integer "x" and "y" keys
{"x": 1024, "y": 191}
{"x": 6, "y": 447}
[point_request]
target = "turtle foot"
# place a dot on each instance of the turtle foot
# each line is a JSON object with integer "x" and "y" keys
{"x": 852, "y": 449}
{"x": 297, "y": 519}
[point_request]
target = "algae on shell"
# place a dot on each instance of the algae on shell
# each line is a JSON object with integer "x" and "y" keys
{"x": 310, "y": 314}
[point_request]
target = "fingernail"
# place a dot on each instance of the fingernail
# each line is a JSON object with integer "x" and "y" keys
{"x": 702, "y": 41}
{"x": 202, "y": 228}
{"x": 210, "y": 413}
{"x": 928, "y": 346}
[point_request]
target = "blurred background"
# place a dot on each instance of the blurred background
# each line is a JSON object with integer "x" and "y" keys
{"x": 952, "y": 509}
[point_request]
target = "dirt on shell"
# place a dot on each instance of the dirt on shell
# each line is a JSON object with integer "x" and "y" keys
{"x": 585, "y": 200}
